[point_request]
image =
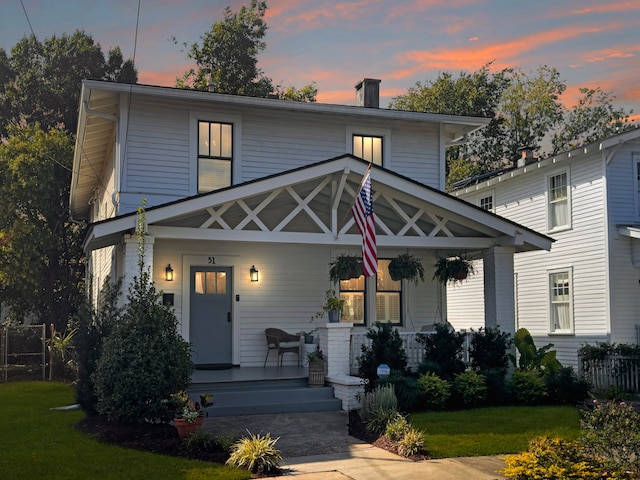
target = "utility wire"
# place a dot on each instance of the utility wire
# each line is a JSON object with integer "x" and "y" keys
{"x": 28, "y": 21}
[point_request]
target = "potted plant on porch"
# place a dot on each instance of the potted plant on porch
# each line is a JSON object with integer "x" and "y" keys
{"x": 333, "y": 305}
{"x": 189, "y": 414}
{"x": 316, "y": 367}
{"x": 453, "y": 269}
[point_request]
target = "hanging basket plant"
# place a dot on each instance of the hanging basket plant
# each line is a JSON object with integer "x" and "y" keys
{"x": 345, "y": 267}
{"x": 453, "y": 269}
{"x": 406, "y": 267}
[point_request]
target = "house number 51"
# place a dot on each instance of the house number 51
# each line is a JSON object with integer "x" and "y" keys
{"x": 212, "y": 260}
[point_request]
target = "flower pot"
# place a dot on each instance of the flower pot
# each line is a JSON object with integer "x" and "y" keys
{"x": 187, "y": 428}
{"x": 316, "y": 374}
{"x": 334, "y": 316}
{"x": 308, "y": 339}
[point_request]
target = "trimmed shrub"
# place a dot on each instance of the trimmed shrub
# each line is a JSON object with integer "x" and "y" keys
{"x": 528, "y": 387}
{"x": 442, "y": 350}
{"x": 256, "y": 453}
{"x": 489, "y": 356}
{"x": 469, "y": 388}
{"x": 386, "y": 348}
{"x": 435, "y": 391}
{"x": 406, "y": 389}
{"x": 565, "y": 387}
{"x": 552, "y": 459}
{"x": 611, "y": 431}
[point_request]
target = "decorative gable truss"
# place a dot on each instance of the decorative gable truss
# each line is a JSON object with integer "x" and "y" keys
{"x": 312, "y": 205}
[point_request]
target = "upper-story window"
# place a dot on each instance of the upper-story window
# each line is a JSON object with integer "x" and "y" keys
{"x": 486, "y": 202}
{"x": 559, "y": 204}
{"x": 560, "y": 299}
{"x": 368, "y": 148}
{"x": 636, "y": 168}
{"x": 215, "y": 155}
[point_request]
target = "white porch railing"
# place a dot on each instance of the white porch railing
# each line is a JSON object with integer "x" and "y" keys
{"x": 612, "y": 371}
{"x": 413, "y": 348}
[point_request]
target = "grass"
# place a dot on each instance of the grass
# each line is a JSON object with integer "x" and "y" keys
{"x": 37, "y": 442}
{"x": 493, "y": 430}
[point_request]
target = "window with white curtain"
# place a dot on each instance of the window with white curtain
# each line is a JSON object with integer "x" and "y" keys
{"x": 558, "y": 197}
{"x": 560, "y": 297}
{"x": 368, "y": 148}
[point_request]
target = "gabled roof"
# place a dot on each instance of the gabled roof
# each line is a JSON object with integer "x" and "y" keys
{"x": 490, "y": 179}
{"x": 312, "y": 204}
{"x": 100, "y": 106}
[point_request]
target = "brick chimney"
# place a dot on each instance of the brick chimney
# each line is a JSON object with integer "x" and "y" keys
{"x": 368, "y": 93}
{"x": 527, "y": 157}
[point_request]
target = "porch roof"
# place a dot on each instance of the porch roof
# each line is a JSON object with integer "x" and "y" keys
{"x": 311, "y": 205}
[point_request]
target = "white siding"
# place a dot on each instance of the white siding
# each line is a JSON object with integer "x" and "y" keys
{"x": 465, "y": 301}
{"x": 580, "y": 249}
{"x": 158, "y": 164}
{"x": 286, "y": 297}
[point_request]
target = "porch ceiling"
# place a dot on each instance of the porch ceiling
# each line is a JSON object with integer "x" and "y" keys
{"x": 312, "y": 205}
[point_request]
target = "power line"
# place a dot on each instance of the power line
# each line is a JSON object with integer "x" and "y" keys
{"x": 28, "y": 21}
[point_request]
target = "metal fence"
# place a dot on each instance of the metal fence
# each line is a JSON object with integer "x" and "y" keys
{"x": 22, "y": 352}
{"x": 612, "y": 371}
{"x": 414, "y": 349}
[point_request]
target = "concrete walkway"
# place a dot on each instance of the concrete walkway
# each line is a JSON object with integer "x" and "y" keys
{"x": 316, "y": 446}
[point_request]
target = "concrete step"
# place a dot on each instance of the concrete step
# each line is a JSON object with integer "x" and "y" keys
{"x": 262, "y": 397}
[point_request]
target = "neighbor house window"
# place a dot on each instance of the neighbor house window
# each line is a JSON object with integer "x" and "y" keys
{"x": 368, "y": 148}
{"x": 486, "y": 203}
{"x": 215, "y": 155}
{"x": 388, "y": 297}
{"x": 636, "y": 168}
{"x": 559, "y": 215}
{"x": 560, "y": 301}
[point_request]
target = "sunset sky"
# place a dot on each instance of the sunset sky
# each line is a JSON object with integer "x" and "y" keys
{"x": 337, "y": 43}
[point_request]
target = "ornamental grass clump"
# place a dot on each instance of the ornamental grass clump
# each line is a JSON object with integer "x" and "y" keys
{"x": 256, "y": 453}
{"x": 382, "y": 398}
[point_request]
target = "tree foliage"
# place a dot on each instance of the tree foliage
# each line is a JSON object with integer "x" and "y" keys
{"x": 227, "y": 59}
{"x": 40, "y": 81}
{"x": 526, "y": 110}
{"x": 40, "y": 246}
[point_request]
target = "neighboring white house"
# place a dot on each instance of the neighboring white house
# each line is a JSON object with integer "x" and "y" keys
{"x": 586, "y": 288}
{"x": 235, "y": 183}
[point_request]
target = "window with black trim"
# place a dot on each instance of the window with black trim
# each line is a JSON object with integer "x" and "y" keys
{"x": 388, "y": 295}
{"x": 215, "y": 155}
{"x": 368, "y": 148}
{"x": 486, "y": 203}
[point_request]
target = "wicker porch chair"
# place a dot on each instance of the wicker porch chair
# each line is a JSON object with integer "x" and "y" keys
{"x": 282, "y": 342}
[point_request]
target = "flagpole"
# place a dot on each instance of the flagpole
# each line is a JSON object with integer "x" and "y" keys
{"x": 357, "y": 193}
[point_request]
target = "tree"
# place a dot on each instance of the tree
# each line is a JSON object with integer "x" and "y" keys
{"x": 40, "y": 246}
{"x": 228, "y": 58}
{"x": 41, "y": 81}
{"x": 526, "y": 110}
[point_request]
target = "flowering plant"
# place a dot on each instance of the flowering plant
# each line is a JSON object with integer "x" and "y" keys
{"x": 316, "y": 356}
{"x": 188, "y": 410}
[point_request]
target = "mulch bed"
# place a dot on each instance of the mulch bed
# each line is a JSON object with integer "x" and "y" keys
{"x": 163, "y": 439}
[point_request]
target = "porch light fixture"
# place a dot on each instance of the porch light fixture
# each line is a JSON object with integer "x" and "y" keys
{"x": 253, "y": 273}
{"x": 168, "y": 273}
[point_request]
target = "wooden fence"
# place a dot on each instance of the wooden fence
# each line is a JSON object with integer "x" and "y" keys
{"x": 612, "y": 371}
{"x": 413, "y": 348}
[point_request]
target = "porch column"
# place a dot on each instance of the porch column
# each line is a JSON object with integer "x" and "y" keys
{"x": 130, "y": 260}
{"x": 499, "y": 304}
{"x": 335, "y": 341}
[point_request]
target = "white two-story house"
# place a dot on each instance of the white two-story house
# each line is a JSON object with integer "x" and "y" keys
{"x": 586, "y": 289}
{"x": 248, "y": 201}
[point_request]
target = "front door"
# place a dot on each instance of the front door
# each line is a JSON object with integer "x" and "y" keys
{"x": 210, "y": 323}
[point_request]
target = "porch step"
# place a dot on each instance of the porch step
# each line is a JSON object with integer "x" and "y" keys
{"x": 266, "y": 396}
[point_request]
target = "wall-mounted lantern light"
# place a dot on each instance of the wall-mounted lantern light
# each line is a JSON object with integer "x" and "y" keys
{"x": 168, "y": 273}
{"x": 253, "y": 273}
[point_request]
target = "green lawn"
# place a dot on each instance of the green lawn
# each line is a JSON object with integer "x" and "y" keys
{"x": 36, "y": 442}
{"x": 493, "y": 430}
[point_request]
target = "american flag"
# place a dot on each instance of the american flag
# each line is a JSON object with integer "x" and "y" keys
{"x": 363, "y": 214}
